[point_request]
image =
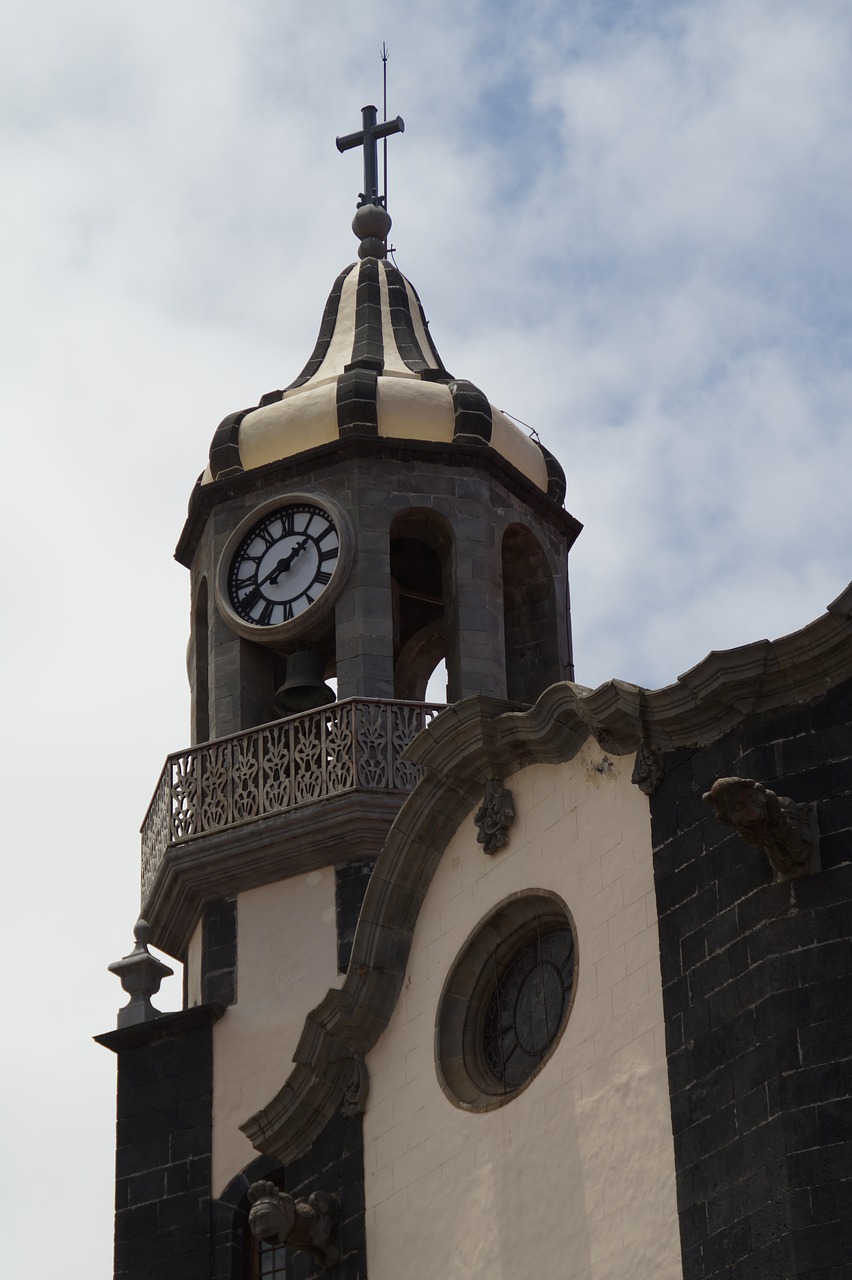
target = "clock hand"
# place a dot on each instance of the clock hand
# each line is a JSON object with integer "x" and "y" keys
{"x": 284, "y": 564}
{"x": 274, "y": 574}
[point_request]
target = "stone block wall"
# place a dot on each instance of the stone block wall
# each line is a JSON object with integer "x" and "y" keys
{"x": 163, "y": 1146}
{"x": 757, "y": 992}
{"x": 167, "y": 1225}
{"x": 219, "y": 952}
{"x": 350, "y": 885}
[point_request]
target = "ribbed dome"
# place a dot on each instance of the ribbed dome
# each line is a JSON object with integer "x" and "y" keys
{"x": 374, "y": 371}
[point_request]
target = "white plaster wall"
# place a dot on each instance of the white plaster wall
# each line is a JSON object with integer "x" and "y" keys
{"x": 193, "y": 967}
{"x": 286, "y": 962}
{"x": 574, "y": 1178}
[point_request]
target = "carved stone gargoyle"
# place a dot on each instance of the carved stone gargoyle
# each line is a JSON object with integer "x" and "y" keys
{"x": 785, "y": 829}
{"x": 301, "y": 1224}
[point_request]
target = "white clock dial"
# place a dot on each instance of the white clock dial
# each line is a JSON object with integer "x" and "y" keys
{"x": 283, "y": 564}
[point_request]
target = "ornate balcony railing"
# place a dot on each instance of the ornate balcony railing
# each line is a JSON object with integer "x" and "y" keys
{"x": 352, "y": 745}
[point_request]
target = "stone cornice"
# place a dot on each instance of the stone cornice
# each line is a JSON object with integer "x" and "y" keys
{"x": 458, "y": 455}
{"x": 164, "y": 1027}
{"x": 481, "y": 738}
{"x": 718, "y": 692}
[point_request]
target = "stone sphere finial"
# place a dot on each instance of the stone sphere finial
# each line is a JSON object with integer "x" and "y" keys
{"x": 142, "y": 931}
{"x": 371, "y": 225}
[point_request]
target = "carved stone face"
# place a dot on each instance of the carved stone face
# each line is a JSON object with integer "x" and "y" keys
{"x": 739, "y": 801}
{"x": 271, "y": 1216}
{"x": 747, "y": 806}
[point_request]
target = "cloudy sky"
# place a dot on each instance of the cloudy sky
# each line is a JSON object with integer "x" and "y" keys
{"x": 628, "y": 223}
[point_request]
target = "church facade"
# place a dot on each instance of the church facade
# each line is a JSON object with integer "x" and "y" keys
{"x": 544, "y": 981}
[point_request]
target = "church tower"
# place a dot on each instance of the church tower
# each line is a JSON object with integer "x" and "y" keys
{"x": 372, "y": 519}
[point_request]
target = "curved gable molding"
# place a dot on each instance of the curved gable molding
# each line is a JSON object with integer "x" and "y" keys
{"x": 468, "y": 743}
{"x": 481, "y": 738}
{"x": 721, "y": 690}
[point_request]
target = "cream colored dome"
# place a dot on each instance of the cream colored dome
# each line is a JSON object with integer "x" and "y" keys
{"x": 374, "y": 371}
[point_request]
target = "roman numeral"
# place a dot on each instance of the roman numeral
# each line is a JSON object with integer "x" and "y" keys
{"x": 330, "y": 554}
{"x": 250, "y": 599}
{"x": 266, "y": 614}
{"x": 322, "y": 577}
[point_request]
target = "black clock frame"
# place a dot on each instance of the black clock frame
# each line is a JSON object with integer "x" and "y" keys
{"x": 290, "y": 629}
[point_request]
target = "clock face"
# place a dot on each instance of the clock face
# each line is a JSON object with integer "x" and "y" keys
{"x": 283, "y": 564}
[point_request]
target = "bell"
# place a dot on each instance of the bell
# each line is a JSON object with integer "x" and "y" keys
{"x": 304, "y": 687}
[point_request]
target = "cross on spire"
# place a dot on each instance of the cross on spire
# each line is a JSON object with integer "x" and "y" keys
{"x": 368, "y": 137}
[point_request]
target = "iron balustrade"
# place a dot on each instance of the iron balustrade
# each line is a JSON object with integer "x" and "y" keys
{"x": 352, "y": 745}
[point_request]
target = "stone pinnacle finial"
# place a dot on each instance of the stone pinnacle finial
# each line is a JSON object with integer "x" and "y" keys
{"x": 371, "y": 225}
{"x": 372, "y": 222}
{"x": 141, "y": 975}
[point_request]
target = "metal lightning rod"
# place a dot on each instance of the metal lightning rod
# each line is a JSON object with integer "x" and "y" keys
{"x": 385, "y": 116}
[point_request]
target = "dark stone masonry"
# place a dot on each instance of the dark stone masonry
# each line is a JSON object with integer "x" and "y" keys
{"x": 164, "y": 1145}
{"x": 219, "y": 952}
{"x": 757, "y": 992}
{"x": 167, "y": 1226}
{"x": 350, "y": 885}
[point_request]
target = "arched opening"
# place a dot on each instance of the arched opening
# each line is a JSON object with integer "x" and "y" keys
{"x": 421, "y": 566}
{"x": 436, "y": 689}
{"x": 334, "y": 1165}
{"x": 237, "y": 1253}
{"x": 199, "y": 674}
{"x": 529, "y": 616}
{"x": 263, "y": 1259}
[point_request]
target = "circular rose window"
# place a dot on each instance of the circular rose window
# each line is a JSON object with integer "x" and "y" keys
{"x": 506, "y": 1001}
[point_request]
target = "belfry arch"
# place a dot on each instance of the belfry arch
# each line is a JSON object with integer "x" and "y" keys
{"x": 529, "y": 616}
{"x": 421, "y": 566}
